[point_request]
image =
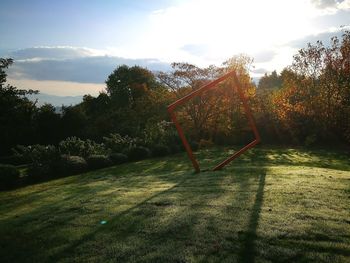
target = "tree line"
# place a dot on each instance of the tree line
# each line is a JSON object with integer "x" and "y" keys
{"x": 308, "y": 103}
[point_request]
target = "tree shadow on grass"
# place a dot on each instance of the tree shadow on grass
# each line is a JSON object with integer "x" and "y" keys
{"x": 111, "y": 224}
{"x": 194, "y": 217}
{"x": 248, "y": 251}
{"x": 183, "y": 220}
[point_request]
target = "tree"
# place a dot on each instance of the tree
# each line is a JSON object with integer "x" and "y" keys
{"x": 184, "y": 79}
{"x": 136, "y": 98}
{"x": 314, "y": 101}
{"x": 127, "y": 84}
{"x": 16, "y": 113}
{"x": 48, "y": 126}
{"x": 217, "y": 111}
{"x": 73, "y": 122}
{"x": 4, "y": 64}
{"x": 270, "y": 82}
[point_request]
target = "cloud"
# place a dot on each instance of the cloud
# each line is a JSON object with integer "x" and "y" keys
{"x": 264, "y": 56}
{"x": 81, "y": 65}
{"x": 325, "y": 37}
{"x": 344, "y": 5}
{"x": 341, "y": 18}
{"x": 324, "y": 3}
{"x": 196, "y": 49}
{"x": 58, "y": 52}
{"x": 58, "y": 88}
{"x": 331, "y": 5}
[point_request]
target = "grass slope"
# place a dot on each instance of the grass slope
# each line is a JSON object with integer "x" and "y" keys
{"x": 269, "y": 205}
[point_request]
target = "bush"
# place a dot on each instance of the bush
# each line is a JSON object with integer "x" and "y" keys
{"x": 162, "y": 132}
{"x": 70, "y": 164}
{"x": 138, "y": 153}
{"x": 74, "y": 146}
{"x": 117, "y": 143}
{"x": 118, "y": 158}
{"x": 13, "y": 160}
{"x": 36, "y": 153}
{"x": 160, "y": 150}
{"x": 37, "y": 172}
{"x": 42, "y": 160}
{"x": 194, "y": 145}
{"x": 204, "y": 144}
{"x": 176, "y": 148}
{"x": 98, "y": 161}
{"x": 9, "y": 176}
{"x": 310, "y": 140}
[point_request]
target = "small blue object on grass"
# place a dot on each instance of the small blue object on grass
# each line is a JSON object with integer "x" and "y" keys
{"x": 103, "y": 222}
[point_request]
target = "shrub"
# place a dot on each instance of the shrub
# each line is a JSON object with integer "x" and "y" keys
{"x": 98, "y": 161}
{"x": 70, "y": 164}
{"x": 42, "y": 160}
{"x": 14, "y": 159}
{"x": 117, "y": 143}
{"x": 160, "y": 133}
{"x": 160, "y": 150}
{"x": 203, "y": 144}
{"x": 310, "y": 140}
{"x": 118, "y": 158}
{"x": 138, "y": 153}
{"x": 77, "y": 147}
{"x": 36, "y": 153}
{"x": 38, "y": 172}
{"x": 155, "y": 132}
{"x": 176, "y": 148}
{"x": 9, "y": 176}
{"x": 194, "y": 145}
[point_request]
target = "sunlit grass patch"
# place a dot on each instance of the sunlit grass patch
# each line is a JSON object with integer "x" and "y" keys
{"x": 269, "y": 205}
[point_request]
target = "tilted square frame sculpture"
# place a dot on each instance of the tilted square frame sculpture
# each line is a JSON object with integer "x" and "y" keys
{"x": 172, "y": 107}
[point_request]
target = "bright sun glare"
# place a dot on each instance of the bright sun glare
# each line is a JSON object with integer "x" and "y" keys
{"x": 224, "y": 28}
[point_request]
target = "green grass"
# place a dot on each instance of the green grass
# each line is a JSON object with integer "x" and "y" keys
{"x": 280, "y": 205}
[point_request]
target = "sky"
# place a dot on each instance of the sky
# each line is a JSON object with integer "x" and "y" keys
{"x": 69, "y": 47}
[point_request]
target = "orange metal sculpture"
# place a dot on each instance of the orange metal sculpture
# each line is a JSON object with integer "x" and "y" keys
{"x": 172, "y": 107}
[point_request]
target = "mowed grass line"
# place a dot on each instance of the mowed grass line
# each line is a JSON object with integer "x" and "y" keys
{"x": 280, "y": 205}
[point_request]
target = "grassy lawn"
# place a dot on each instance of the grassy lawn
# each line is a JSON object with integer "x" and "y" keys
{"x": 280, "y": 205}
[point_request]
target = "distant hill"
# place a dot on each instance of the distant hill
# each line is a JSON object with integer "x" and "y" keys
{"x": 56, "y": 101}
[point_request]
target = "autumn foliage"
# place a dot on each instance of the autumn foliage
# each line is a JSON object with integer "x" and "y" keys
{"x": 308, "y": 103}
